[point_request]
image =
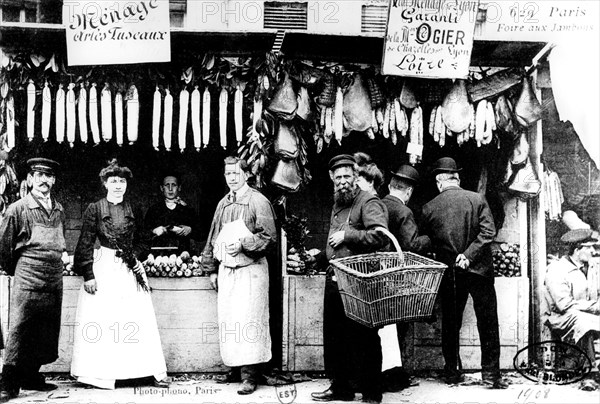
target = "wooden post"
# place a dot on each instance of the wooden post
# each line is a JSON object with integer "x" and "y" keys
{"x": 537, "y": 228}
{"x": 285, "y": 340}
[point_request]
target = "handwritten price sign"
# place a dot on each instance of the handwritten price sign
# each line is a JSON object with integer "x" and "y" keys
{"x": 429, "y": 38}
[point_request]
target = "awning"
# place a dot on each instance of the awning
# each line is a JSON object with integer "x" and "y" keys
{"x": 368, "y": 49}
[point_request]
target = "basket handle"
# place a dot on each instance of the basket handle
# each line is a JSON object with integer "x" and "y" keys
{"x": 394, "y": 241}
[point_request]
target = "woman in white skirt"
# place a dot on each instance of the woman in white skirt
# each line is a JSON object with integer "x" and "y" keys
{"x": 116, "y": 335}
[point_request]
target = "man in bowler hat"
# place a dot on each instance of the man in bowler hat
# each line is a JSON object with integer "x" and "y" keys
{"x": 352, "y": 351}
{"x": 402, "y": 225}
{"x": 461, "y": 228}
{"x": 31, "y": 248}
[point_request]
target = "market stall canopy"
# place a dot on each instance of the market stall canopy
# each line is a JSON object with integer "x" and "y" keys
{"x": 52, "y": 36}
{"x": 368, "y": 49}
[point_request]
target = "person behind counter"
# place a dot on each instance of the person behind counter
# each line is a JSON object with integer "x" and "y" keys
{"x": 31, "y": 246}
{"x": 171, "y": 223}
{"x": 241, "y": 233}
{"x": 115, "y": 293}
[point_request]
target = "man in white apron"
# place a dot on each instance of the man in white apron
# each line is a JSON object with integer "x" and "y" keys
{"x": 31, "y": 247}
{"x": 241, "y": 233}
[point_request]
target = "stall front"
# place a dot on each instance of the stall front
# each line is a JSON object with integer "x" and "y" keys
{"x": 287, "y": 113}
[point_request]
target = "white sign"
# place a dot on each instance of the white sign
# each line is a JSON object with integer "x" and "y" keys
{"x": 429, "y": 38}
{"x": 103, "y": 32}
{"x": 539, "y": 20}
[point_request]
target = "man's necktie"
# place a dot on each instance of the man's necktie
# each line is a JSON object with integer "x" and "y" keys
{"x": 232, "y": 196}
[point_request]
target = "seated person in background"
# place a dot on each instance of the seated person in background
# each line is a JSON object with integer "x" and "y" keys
{"x": 171, "y": 223}
{"x": 570, "y": 309}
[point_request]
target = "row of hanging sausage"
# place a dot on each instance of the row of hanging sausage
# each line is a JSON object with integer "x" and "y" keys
{"x": 82, "y": 109}
{"x": 71, "y": 110}
{"x": 193, "y": 105}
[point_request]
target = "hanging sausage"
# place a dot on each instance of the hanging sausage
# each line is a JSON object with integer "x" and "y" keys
{"x": 81, "y": 114}
{"x": 184, "y": 99}
{"x": 71, "y": 120}
{"x": 46, "y": 111}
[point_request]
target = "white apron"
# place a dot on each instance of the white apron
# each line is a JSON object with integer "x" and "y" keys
{"x": 116, "y": 335}
{"x": 242, "y": 303}
{"x": 390, "y": 348}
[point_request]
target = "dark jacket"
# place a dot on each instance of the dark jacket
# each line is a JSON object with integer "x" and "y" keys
{"x": 460, "y": 222}
{"x": 98, "y": 225}
{"x": 402, "y": 225}
{"x": 160, "y": 215}
{"x": 359, "y": 221}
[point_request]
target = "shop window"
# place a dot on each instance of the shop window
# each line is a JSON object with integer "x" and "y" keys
{"x": 177, "y": 10}
{"x": 31, "y": 11}
{"x": 18, "y": 11}
{"x": 284, "y": 15}
{"x": 373, "y": 19}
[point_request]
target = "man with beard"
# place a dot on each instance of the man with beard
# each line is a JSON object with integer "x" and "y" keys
{"x": 352, "y": 351}
{"x": 31, "y": 248}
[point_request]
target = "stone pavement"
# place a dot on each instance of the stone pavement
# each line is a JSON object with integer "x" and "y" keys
{"x": 205, "y": 390}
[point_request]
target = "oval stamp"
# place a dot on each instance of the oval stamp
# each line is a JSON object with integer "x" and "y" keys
{"x": 553, "y": 362}
{"x": 286, "y": 394}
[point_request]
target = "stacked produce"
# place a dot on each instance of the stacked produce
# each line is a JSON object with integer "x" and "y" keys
{"x": 173, "y": 266}
{"x": 68, "y": 266}
{"x": 506, "y": 260}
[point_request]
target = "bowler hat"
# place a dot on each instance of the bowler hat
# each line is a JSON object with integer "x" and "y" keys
{"x": 579, "y": 236}
{"x": 43, "y": 165}
{"x": 407, "y": 173}
{"x": 445, "y": 165}
{"x": 341, "y": 160}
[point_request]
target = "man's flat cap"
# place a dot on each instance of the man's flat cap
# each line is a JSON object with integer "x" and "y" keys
{"x": 579, "y": 236}
{"x": 43, "y": 165}
{"x": 407, "y": 173}
{"x": 341, "y": 160}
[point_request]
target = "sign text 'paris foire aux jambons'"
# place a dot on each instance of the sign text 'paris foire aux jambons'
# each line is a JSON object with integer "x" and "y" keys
{"x": 429, "y": 38}
{"x": 117, "y": 32}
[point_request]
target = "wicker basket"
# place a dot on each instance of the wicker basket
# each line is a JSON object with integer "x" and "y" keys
{"x": 387, "y": 287}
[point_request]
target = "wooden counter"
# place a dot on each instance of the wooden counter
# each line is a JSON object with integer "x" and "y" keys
{"x": 303, "y": 327}
{"x": 186, "y": 312}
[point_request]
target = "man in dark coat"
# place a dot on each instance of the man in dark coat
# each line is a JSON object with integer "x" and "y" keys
{"x": 352, "y": 351}
{"x": 402, "y": 225}
{"x": 401, "y": 221}
{"x": 31, "y": 248}
{"x": 170, "y": 222}
{"x": 461, "y": 228}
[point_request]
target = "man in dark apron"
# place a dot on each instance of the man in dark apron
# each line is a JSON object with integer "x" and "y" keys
{"x": 31, "y": 247}
{"x": 352, "y": 352}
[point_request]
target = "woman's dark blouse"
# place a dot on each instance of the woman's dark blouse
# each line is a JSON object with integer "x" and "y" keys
{"x": 98, "y": 218}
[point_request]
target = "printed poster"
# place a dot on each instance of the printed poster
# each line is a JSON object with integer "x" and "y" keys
{"x": 429, "y": 38}
{"x": 104, "y": 32}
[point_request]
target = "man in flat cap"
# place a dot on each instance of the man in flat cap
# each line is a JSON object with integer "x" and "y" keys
{"x": 31, "y": 248}
{"x": 571, "y": 308}
{"x": 352, "y": 351}
{"x": 402, "y": 225}
{"x": 461, "y": 228}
